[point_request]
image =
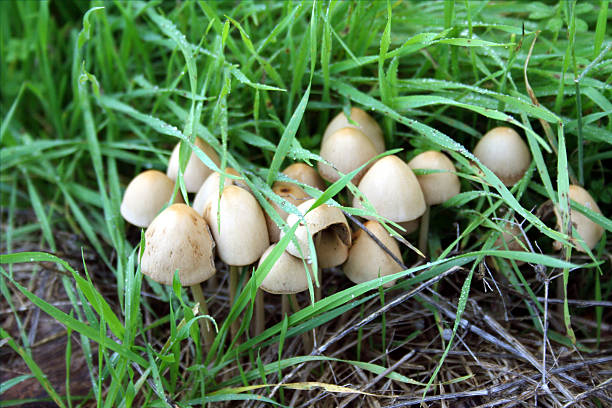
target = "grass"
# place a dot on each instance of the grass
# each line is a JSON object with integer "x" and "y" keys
{"x": 93, "y": 93}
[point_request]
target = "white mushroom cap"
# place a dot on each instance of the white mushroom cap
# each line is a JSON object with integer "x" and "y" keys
{"x": 178, "y": 238}
{"x": 366, "y": 123}
{"x": 210, "y": 188}
{"x": 287, "y": 276}
{"x": 367, "y": 260}
{"x": 196, "y": 171}
{"x": 393, "y": 189}
{"x": 290, "y": 192}
{"x": 305, "y": 174}
{"x": 145, "y": 196}
{"x": 319, "y": 219}
{"x": 437, "y": 187}
{"x": 504, "y": 152}
{"x": 347, "y": 149}
{"x": 590, "y": 231}
{"x": 243, "y": 236}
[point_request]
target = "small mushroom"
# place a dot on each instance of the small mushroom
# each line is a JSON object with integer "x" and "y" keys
{"x": 291, "y": 193}
{"x": 305, "y": 174}
{"x": 365, "y": 123}
{"x": 210, "y": 188}
{"x": 504, "y": 152}
{"x": 347, "y": 149}
{"x": 331, "y": 250}
{"x": 436, "y": 187}
{"x": 145, "y": 197}
{"x": 196, "y": 171}
{"x": 179, "y": 239}
{"x": 367, "y": 260}
{"x": 393, "y": 189}
{"x": 590, "y": 231}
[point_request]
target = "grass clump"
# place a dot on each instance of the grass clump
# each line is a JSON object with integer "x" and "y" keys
{"x": 94, "y": 93}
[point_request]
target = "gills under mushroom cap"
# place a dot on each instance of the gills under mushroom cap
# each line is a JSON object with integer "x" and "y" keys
{"x": 178, "y": 238}
{"x": 145, "y": 196}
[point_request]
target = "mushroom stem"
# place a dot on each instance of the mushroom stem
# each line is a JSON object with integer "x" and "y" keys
{"x": 233, "y": 288}
{"x": 205, "y": 324}
{"x": 307, "y": 340}
{"x": 285, "y": 305}
{"x": 424, "y": 231}
{"x": 260, "y": 323}
{"x": 213, "y": 283}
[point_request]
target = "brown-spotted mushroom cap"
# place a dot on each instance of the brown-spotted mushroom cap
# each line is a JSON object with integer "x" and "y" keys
{"x": 196, "y": 171}
{"x": 367, "y": 260}
{"x": 437, "y": 187}
{"x": 590, "y": 231}
{"x": 287, "y": 275}
{"x": 210, "y": 188}
{"x": 305, "y": 174}
{"x": 504, "y": 152}
{"x": 178, "y": 238}
{"x": 321, "y": 218}
{"x": 243, "y": 236}
{"x": 291, "y": 193}
{"x": 145, "y": 196}
{"x": 366, "y": 123}
{"x": 347, "y": 149}
{"x": 393, "y": 189}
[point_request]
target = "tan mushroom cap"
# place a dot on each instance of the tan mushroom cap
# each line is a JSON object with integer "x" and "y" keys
{"x": 210, "y": 188}
{"x": 287, "y": 275}
{"x": 196, "y": 171}
{"x": 243, "y": 236}
{"x": 590, "y": 231}
{"x": 347, "y": 149}
{"x": 437, "y": 187}
{"x": 290, "y": 192}
{"x": 319, "y": 219}
{"x": 331, "y": 250}
{"x": 305, "y": 174}
{"x": 178, "y": 238}
{"x": 366, "y": 123}
{"x": 145, "y": 196}
{"x": 512, "y": 237}
{"x": 393, "y": 189}
{"x": 504, "y": 152}
{"x": 367, "y": 260}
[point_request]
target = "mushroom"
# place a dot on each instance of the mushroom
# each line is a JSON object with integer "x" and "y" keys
{"x": 367, "y": 260}
{"x": 291, "y": 193}
{"x": 436, "y": 187}
{"x": 196, "y": 171}
{"x": 365, "y": 123}
{"x": 179, "y": 239}
{"x": 305, "y": 174}
{"x": 287, "y": 277}
{"x": 210, "y": 188}
{"x": 588, "y": 230}
{"x": 145, "y": 196}
{"x": 346, "y": 149}
{"x": 504, "y": 152}
{"x": 240, "y": 233}
{"x": 393, "y": 190}
{"x": 322, "y": 224}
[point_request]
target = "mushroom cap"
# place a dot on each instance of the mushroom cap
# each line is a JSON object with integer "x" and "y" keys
{"x": 367, "y": 260}
{"x": 331, "y": 251}
{"x": 287, "y": 275}
{"x": 513, "y": 237}
{"x": 504, "y": 152}
{"x": 590, "y": 231}
{"x": 178, "y": 238}
{"x": 436, "y": 187}
{"x": 196, "y": 171}
{"x": 366, "y": 123}
{"x": 145, "y": 196}
{"x": 393, "y": 189}
{"x": 347, "y": 149}
{"x": 210, "y": 188}
{"x": 243, "y": 235}
{"x": 305, "y": 174}
{"x": 290, "y": 192}
{"x": 319, "y": 219}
